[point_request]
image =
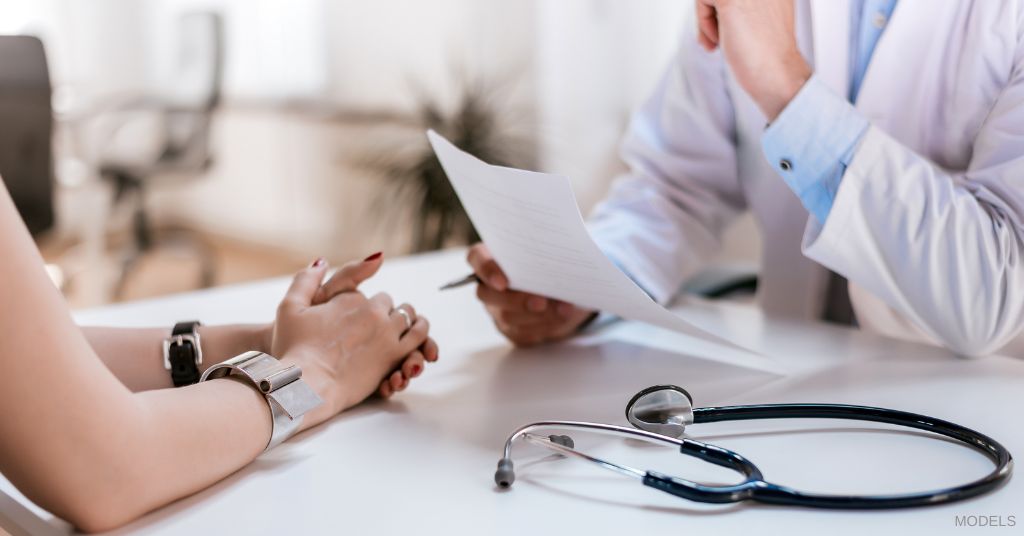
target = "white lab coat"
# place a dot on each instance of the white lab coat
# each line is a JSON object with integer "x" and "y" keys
{"x": 928, "y": 222}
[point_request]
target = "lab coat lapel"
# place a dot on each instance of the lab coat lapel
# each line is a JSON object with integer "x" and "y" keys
{"x": 830, "y": 22}
{"x": 910, "y": 33}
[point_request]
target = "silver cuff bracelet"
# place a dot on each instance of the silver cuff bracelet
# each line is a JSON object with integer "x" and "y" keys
{"x": 288, "y": 396}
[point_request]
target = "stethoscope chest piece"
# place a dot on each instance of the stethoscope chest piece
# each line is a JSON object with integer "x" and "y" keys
{"x": 662, "y": 409}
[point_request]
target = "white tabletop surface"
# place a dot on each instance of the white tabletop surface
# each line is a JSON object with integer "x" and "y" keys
{"x": 423, "y": 463}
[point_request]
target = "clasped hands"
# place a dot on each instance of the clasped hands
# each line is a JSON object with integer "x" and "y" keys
{"x": 349, "y": 346}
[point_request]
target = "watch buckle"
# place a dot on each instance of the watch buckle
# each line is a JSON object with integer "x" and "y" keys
{"x": 180, "y": 340}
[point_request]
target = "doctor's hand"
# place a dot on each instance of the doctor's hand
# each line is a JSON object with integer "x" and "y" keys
{"x": 760, "y": 47}
{"x": 526, "y": 319}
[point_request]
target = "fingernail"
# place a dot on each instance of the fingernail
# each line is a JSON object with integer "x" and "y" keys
{"x": 416, "y": 369}
{"x": 536, "y": 304}
{"x": 374, "y": 257}
{"x": 318, "y": 262}
{"x": 565, "y": 309}
{"x": 498, "y": 282}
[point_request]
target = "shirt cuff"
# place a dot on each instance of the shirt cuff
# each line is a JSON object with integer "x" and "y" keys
{"x": 812, "y": 142}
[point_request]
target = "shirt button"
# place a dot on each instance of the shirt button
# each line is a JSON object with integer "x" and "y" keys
{"x": 785, "y": 164}
{"x": 879, "y": 20}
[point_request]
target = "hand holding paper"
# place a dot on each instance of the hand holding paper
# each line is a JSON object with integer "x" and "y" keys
{"x": 525, "y": 319}
{"x": 533, "y": 227}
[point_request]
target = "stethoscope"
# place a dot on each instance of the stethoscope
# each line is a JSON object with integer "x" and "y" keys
{"x": 661, "y": 414}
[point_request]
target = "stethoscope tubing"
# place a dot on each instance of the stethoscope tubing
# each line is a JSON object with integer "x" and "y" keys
{"x": 767, "y": 492}
{"x": 755, "y": 488}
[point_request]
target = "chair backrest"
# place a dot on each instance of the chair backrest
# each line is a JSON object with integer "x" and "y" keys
{"x": 198, "y": 70}
{"x": 195, "y": 92}
{"x": 26, "y": 129}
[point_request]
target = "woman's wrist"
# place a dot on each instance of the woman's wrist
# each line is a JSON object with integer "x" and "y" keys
{"x": 221, "y": 343}
{"x": 319, "y": 381}
{"x": 262, "y": 338}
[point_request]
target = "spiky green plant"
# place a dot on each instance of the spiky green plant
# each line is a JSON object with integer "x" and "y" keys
{"x": 481, "y": 124}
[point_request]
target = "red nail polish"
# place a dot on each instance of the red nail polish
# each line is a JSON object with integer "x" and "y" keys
{"x": 416, "y": 370}
{"x": 374, "y": 257}
{"x": 318, "y": 263}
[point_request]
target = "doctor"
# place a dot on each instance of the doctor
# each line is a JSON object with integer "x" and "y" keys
{"x": 879, "y": 145}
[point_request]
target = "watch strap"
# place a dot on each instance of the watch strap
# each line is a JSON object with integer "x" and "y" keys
{"x": 183, "y": 353}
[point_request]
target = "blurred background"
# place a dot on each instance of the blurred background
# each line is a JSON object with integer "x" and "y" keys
{"x": 160, "y": 146}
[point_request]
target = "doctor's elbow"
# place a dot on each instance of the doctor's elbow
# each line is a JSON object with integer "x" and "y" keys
{"x": 975, "y": 338}
{"x": 972, "y": 347}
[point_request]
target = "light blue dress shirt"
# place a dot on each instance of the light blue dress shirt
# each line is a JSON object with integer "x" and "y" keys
{"x": 813, "y": 140}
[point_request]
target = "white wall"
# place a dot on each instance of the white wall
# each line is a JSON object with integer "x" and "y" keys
{"x": 352, "y": 53}
{"x": 381, "y": 51}
{"x": 596, "y": 60}
{"x": 275, "y": 50}
{"x": 97, "y": 46}
{"x": 292, "y": 173}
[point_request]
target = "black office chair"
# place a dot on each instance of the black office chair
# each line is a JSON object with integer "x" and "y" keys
{"x": 185, "y": 110}
{"x": 26, "y": 130}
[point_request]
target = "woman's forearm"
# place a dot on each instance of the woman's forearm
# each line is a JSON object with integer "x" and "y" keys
{"x": 135, "y": 355}
{"x": 78, "y": 443}
{"x": 194, "y": 436}
{"x": 101, "y": 472}
{"x": 76, "y": 439}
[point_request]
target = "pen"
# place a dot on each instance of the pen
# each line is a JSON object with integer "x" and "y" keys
{"x": 471, "y": 278}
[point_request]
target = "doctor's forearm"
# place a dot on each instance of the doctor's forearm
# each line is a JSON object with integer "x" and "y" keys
{"x": 135, "y": 355}
{"x": 907, "y": 230}
{"x": 927, "y": 245}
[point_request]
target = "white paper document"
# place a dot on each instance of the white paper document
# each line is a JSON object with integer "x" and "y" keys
{"x": 533, "y": 227}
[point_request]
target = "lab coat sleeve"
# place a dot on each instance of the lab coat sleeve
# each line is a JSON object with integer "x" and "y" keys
{"x": 944, "y": 249}
{"x": 666, "y": 215}
{"x": 819, "y": 132}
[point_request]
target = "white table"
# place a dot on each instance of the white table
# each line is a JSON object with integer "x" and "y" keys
{"x": 424, "y": 462}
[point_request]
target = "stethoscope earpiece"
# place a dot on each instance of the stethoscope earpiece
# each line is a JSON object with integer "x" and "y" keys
{"x": 505, "y": 475}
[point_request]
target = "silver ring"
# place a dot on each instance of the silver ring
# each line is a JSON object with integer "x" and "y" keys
{"x": 408, "y": 318}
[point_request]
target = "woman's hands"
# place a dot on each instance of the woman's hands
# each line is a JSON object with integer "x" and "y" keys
{"x": 526, "y": 319}
{"x": 351, "y": 275}
{"x": 347, "y": 343}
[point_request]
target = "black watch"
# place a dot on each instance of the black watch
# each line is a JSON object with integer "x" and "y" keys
{"x": 183, "y": 353}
